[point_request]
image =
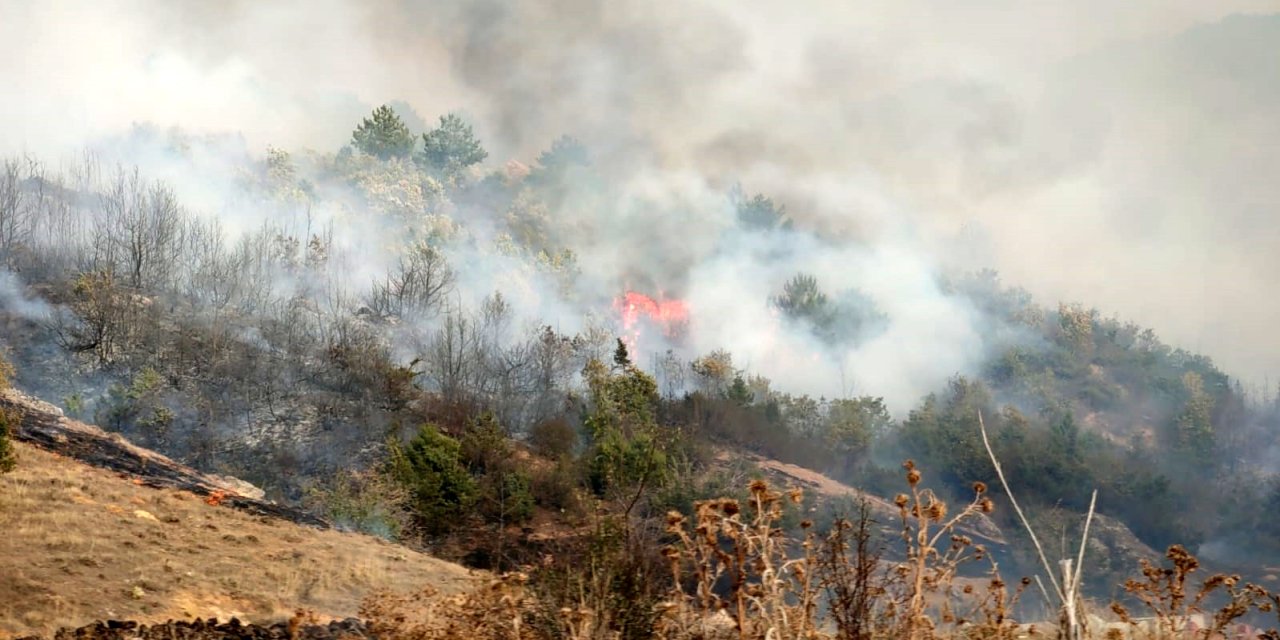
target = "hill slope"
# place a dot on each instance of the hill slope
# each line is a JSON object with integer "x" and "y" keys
{"x": 83, "y": 543}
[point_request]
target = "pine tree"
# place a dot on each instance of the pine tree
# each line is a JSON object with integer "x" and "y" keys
{"x": 1193, "y": 427}
{"x": 450, "y": 147}
{"x": 758, "y": 212}
{"x": 384, "y": 135}
{"x": 430, "y": 467}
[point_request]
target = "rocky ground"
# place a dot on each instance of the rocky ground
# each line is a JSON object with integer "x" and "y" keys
{"x": 298, "y": 628}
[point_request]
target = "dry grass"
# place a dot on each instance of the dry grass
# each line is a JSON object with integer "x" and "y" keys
{"x": 734, "y": 575}
{"x": 81, "y": 543}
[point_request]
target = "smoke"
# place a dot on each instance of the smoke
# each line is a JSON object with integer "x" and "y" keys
{"x": 1116, "y": 155}
{"x": 15, "y": 301}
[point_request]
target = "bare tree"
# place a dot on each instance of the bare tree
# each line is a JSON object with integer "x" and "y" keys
{"x": 141, "y": 227}
{"x": 450, "y": 360}
{"x": 415, "y": 287}
{"x": 100, "y": 320}
{"x": 21, "y": 198}
{"x": 212, "y": 276}
{"x": 551, "y": 370}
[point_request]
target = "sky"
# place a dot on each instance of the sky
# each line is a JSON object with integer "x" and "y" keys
{"x": 1121, "y": 155}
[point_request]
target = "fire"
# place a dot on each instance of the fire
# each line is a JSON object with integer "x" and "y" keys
{"x": 639, "y": 311}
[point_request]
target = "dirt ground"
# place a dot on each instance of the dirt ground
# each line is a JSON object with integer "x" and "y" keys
{"x": 80, "y": 544}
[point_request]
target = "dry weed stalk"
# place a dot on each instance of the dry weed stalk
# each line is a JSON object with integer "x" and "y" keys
{"x": 769, "y": 594}
{"x": 935, "y": 551}
{"x": 732, "y": 571}
{"x": 1067, "y": 589}
{"x": 736, "y": 575}
{"x": 1177, "y": 612}
{"x": 849, "y": 571}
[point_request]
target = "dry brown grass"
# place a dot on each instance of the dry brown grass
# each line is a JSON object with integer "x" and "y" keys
{"x": 733, "y": 573}
{"x": 80, "y": 543}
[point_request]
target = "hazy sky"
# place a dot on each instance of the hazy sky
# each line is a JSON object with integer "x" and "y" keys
{"x": 1119, "y": 154}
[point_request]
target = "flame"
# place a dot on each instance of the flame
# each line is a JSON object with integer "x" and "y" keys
{"x": 639, "y": 311}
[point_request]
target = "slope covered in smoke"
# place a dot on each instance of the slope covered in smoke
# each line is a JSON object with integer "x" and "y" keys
{"x": 1124, "y": 141}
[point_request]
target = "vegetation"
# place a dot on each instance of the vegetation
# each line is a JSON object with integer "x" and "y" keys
{"x": 383, "y": 135}
{"x": 401, "y": 400}
{"x": 431, "y": 468}
{"x": 9, "y": 419}
{"x": 758, "y": 211}
{"x": 731, "y": 573}
{"x": 451, "y": 147}
{"x": 8, "y": 458}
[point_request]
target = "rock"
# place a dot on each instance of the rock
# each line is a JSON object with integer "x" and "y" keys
{"x": 44, "y": 426}
{"x": 211, "y": 629}
{"x": 239, "y": 487}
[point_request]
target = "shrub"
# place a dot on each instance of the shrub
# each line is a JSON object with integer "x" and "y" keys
{"x": 506, "y": 497}
{"x": 608, "y": 584}
{"x": 9, "y": 419}
{"x": 367, "y": 501}
{"x": 6, "y": 373}
{"x": 430, "y": 468}
{"x": 484, "y": 446}
{"x": 139, "y": 408}
{"x": 553, "y": 438}
{"x": 556, "y": 487}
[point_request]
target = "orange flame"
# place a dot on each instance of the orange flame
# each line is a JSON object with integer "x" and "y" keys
{"x": 670, "y": 315}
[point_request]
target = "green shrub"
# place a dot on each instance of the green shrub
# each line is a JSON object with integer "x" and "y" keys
{"x": 139, "y": 408}
{"x": 9, "y": 419}
{"x": 506, "y": 497}
{"x": 6, "y": 373}
{"x": 430, "y": 468}
{"x": 484, "y": 445}
{"x": 366, "y": 501}
{"x": 556, "y": 487}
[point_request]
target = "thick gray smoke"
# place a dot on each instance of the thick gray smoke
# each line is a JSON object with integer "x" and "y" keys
{"x": 1115, "y": 154}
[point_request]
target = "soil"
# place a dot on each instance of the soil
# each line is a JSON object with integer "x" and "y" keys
{"x": 82, "y": 544}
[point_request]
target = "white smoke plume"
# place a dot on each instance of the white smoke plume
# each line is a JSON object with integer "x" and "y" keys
{"x": 1115, "y": 154}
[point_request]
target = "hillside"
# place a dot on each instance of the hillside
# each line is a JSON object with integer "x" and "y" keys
{"x": 83, "y": 543}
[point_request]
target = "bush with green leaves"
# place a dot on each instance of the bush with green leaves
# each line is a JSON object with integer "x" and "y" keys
{"x": 367, "y": 501}
{"x": 628, "y": 454}
{"x": 556, "y": 487}
{"x": 502, "y": 490}
{"x": 430, "y": 467}
{"x": 139, "y": 409}
{"x": 8, "y": 420}
{"x": 506, "y": 497}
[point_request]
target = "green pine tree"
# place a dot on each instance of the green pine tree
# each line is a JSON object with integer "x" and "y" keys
{"x": 450, "y": 147}
{"x": 430, "y": 467}
{"x": 383, "y": 135}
